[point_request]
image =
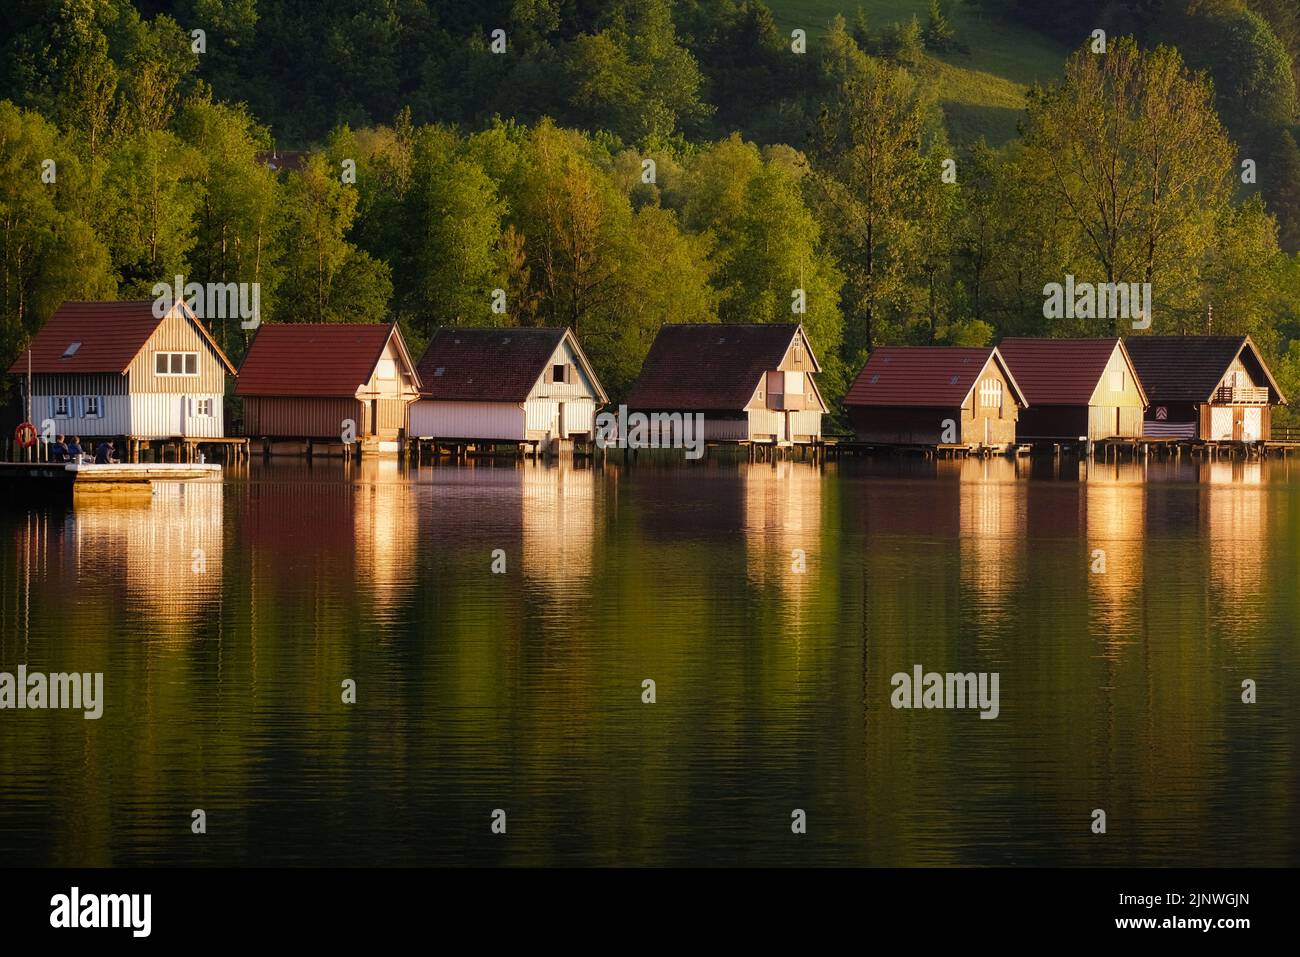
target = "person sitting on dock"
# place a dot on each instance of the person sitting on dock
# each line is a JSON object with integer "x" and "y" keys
{"x": 74, "y": 450}
{"x": 104, "y": 453}
{"x": 58, "y": 451}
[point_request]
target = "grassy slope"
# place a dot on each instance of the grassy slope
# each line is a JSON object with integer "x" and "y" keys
{"x": 982, "y": 91}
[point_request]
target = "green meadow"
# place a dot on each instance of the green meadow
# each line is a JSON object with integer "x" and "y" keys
{"x": 981, "y": 91}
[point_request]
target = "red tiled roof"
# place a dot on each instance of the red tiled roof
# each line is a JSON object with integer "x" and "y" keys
{"x": 311, "y": 359}
{"x": 924, "y": 376}
{"x": 487, "y": 364}
{"x": 710, "y": 367}
{"x": 1058, "y": 371}
{"x": 111, "y": 335}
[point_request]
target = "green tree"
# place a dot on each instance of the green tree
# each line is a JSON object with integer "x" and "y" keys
{"x": 1128, "y": 150}
{"x": 48, "y": 252}
{"x": 871, "y": 169}
{"x": 147, "y": 203}
{"x": 326, "y": 278}
{"x": 239, "y": 216}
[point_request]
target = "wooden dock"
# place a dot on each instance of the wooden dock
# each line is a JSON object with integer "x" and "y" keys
{"x": 27, "y": 481}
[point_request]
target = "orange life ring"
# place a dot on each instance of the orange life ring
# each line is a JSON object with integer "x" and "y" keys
{"x": 25, "y": 435}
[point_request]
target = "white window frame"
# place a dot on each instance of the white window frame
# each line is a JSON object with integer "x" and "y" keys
{"x": 199, "y": 408}
{"x": 86, "y": 401}
{"x": 67, "y": 406}
{"x": 176, "y": 375}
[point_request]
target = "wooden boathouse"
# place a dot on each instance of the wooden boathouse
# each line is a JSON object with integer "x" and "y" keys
{"x": 751, "y": 383}
{"x": 1076, "y": 389}
{"x": 1206, "y": 388}
{"x": 327, "y": 387}
{"x": 936, "y": 396}
{"x": 492, "y": 386}
{"x": 115, "y": 370}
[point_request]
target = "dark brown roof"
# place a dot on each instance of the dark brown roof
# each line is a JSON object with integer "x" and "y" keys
{"x": 711, "y": 366}
{"x": 283, "y": 160}
{"x": 924, "y": 376}
{"x": 1058, "y": 371}
{"x": 312, "y": 358}
{"x": 110, "y": 335}
{"x": 489, "y": 364}
{"x": 1190, "y": 368}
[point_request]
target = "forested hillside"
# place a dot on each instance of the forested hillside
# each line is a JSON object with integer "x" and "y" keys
{"x": 920, "y": 170}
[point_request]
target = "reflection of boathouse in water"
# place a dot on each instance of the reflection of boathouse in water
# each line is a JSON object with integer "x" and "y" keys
{"x": 166, "y": 554}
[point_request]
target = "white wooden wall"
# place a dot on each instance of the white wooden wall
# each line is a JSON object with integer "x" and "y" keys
{"x": 502, "y": 421}
{"x": 159, "y": 415}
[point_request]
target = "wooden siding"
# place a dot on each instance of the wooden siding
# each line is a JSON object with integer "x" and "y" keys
{"x": 143, "y": 415}
{"x": 562, "y": 418}
{"x": 578, "y": 386}
{"x": 541, "y": 416}
{"x": 725, "y": 429}
{"x": 1001, "y": 420}
{"x": 767, "y": 425}
{"x": 106, "y": 383}
{"x": 399, "y": 387}
{"x": 109, "y": 388}
{"x": 1106, "y": 421}
{"x": 1229, "y": 377}
{"x": 805, "y": 426}
{"x": 1234, "y": 419}
{"x": 115, "y": 420}
{"x": 389, "y": 417}
{"x": 579, "y": 417}
{"x": 797, "y": 360}
{"x": 1056, "y": 421}
{"x": 177, "y": 334}
{"x": 1128, "y": 396}
{"x": 900, "y": 425}
{"x": 164, "y": 416}
{"x": 498, "y": 421}
{"x": 299, "y": 418}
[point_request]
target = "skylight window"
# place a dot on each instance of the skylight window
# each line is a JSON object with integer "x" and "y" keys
{"x": 71, "y": 351}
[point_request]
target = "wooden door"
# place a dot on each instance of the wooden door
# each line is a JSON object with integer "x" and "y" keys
{"x": 1221, "y": 424}
{"x": 1251, "y": 425}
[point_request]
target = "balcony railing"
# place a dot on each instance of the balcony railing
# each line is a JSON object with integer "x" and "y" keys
{"x": 1243, "y": 395}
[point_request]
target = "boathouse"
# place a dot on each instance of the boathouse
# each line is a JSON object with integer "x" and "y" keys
{"x": 1076, "y": 388}
{"x": 114, "y": 369}
{"x": 328, "y": 382}
{"x": 504, "y": 385}
{"x": 1211, "y": 388}
{"x": 751, "y": 383}
{"x": 935, "y": 395}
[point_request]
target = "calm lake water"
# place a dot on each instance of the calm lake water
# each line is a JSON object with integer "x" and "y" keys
{"x": 523, "y": 691}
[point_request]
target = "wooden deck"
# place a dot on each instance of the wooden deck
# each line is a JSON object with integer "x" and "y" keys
{"x": 53, "y": 480}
